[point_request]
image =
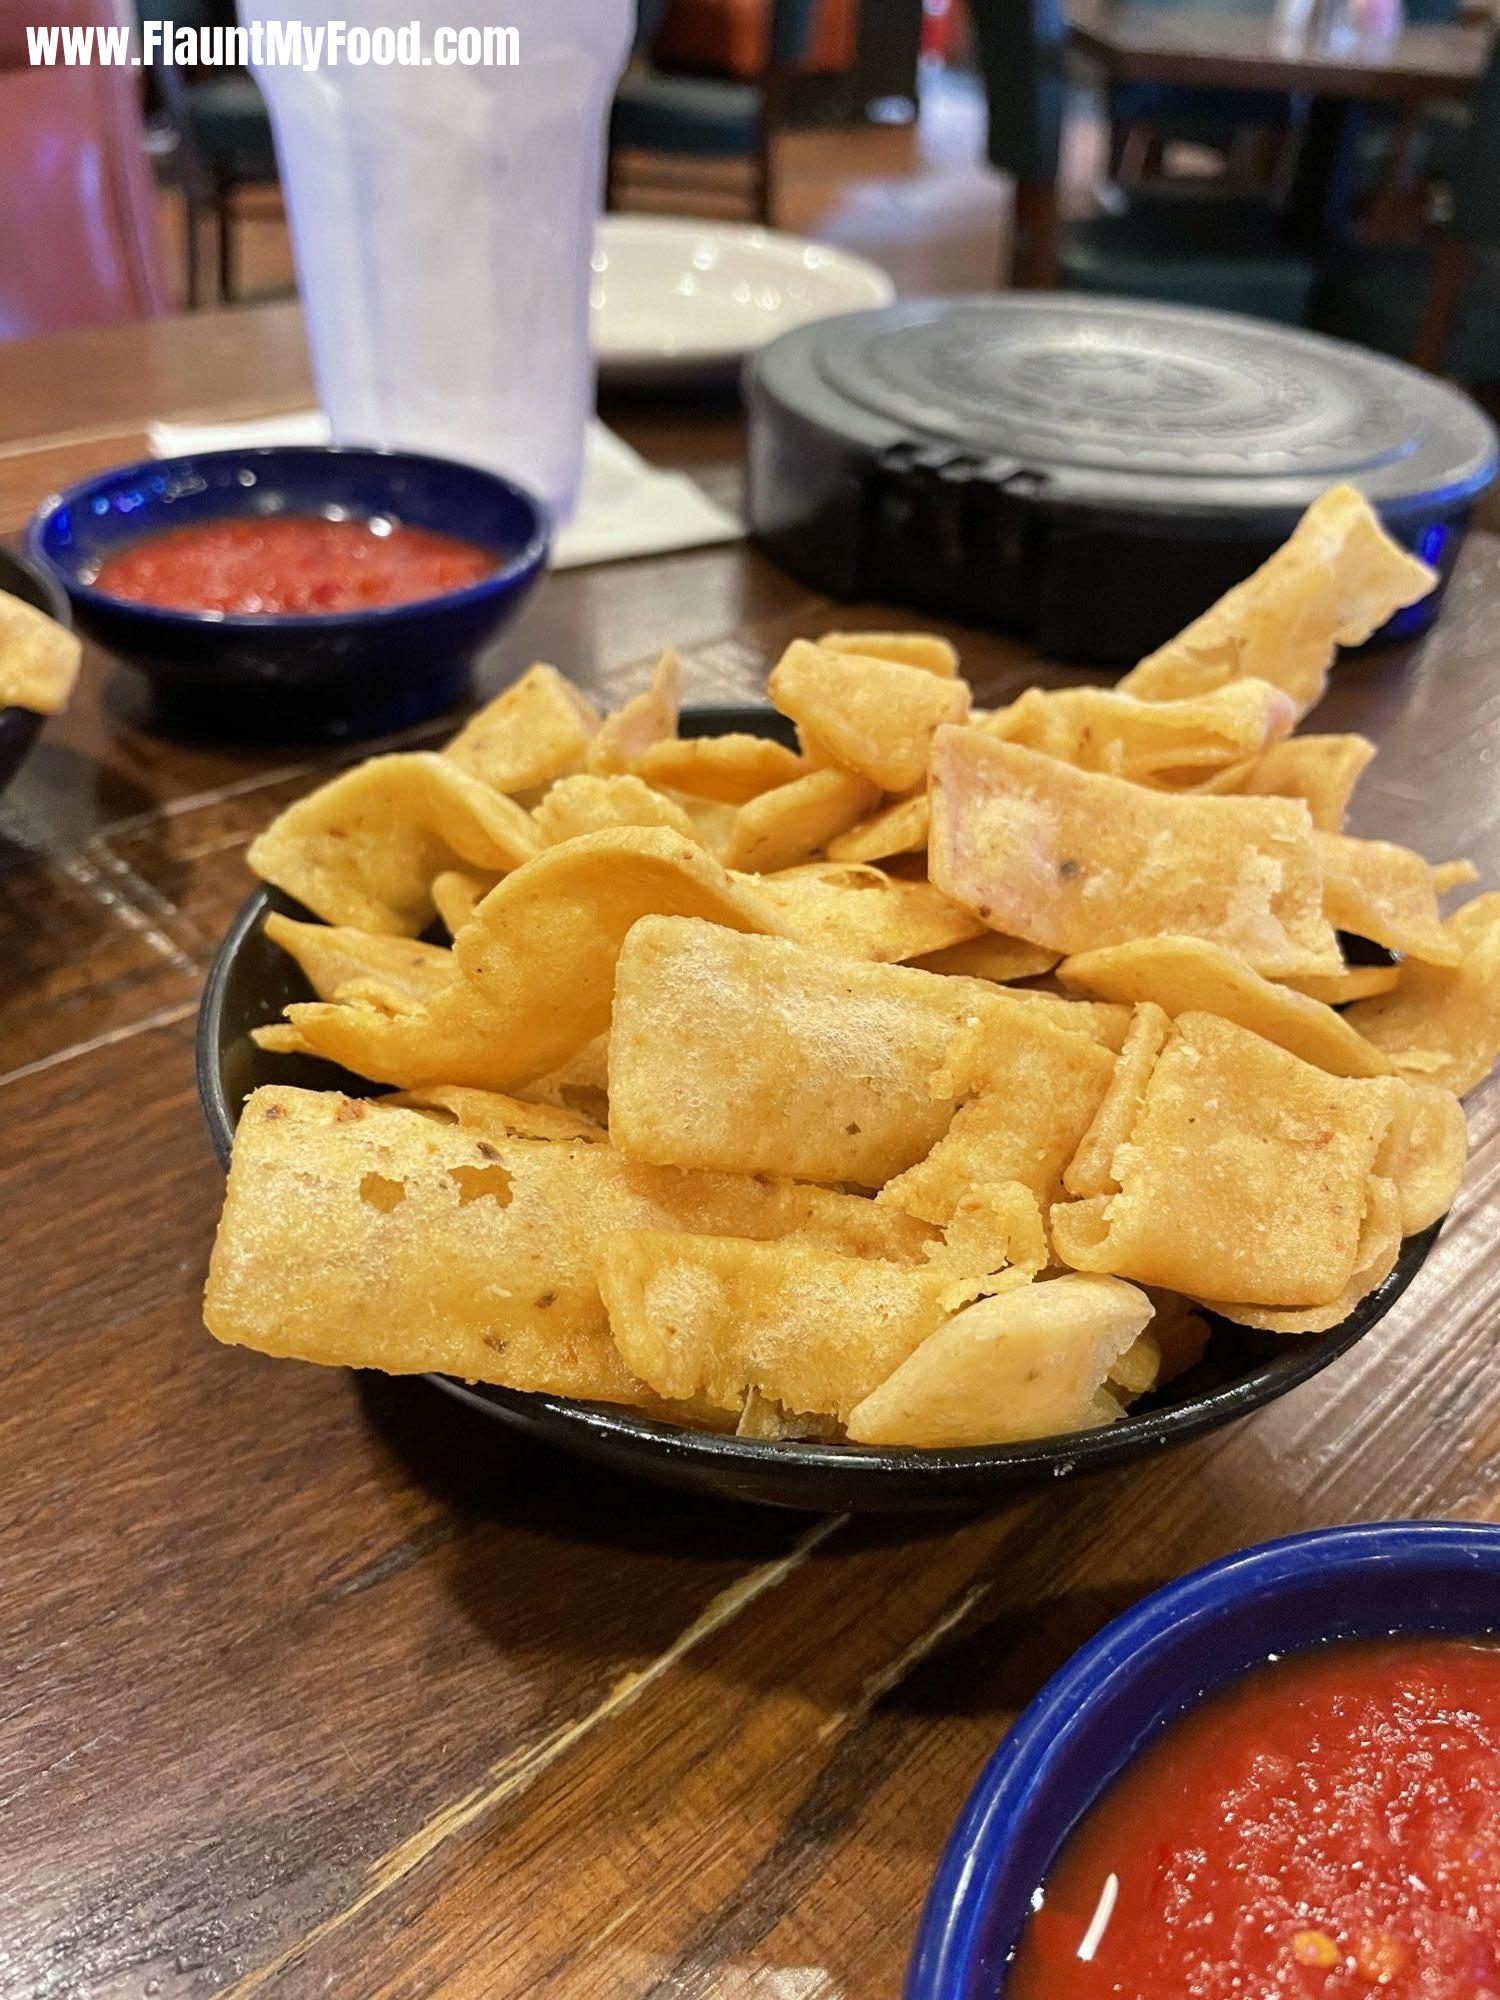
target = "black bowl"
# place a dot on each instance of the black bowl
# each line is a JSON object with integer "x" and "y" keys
{"x": 251, "y": 980}
{"x": 20, "y": 727}
{"x": 341, "y": 673}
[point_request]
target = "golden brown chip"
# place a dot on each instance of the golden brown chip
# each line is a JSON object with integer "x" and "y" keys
{"x": 490, "y": 1114}
{"x": 898, "y": 828}
{"x": 650, "y": 718}
{"x": 909, "y": 649}
{"x": 39, "y": 659}
{"x": 1379, "y": 1247}
{"x": 537, "y": 730}
{"x": 861, "y": 913}
{"x": 331, "y": 955}
{"x": 280, "y": 1038}
{"x": 993, "y": 1238}
{"x": 713, "y": 1317}
{"x": 457, "y": 893}
{"x": 1379, "y": 891}
{"x": 1033, "y": 1362}
{"x": 1336, "y": 580}
{"x": 1189, "y": 975}
{"x": 790, "y": 825}
{"x": 366, "y": 1237}
{"x": 1424, "y": 1152}
{"x": 580, "y": 1084}
{"x": 1337, "y": 989}
{"x": 1073, "y": 860}
{"x": 589, "y": 804}
{"x": 1442, "y": 1025}
{"x": 363, "y": 849}
{"x": 1321, "y": 770}
{"x": 875, "y": 716}
{"x": 1091, "y": 1169}
{"x": 990, "y": 956}
{"x": 1245, "y": 1175}
{"x": 1448, "y": 875}
{"x": 1165, "y": 743}
{"x": 763, "y": 1056}
{"x": 730, "y": 768}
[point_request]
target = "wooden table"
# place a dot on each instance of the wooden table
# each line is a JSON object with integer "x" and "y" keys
{"x": 316, "y": 1685}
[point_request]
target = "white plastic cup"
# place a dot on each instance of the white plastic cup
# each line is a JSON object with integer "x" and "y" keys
{"x": 442, "y": 220}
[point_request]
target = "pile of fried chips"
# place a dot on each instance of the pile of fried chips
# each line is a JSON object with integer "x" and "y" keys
{"x": 916, "y": 1086}
{"x": 39, "y": 658}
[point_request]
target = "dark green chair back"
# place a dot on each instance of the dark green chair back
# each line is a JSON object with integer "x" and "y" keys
{"x": 1021, "y": 46}
{"x": 1476, "y": 177}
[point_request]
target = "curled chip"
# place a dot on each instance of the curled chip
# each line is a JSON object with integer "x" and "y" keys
{"x": 1073, "y": 860}
{"x": 909, "y": 649}
{"x": 1442, "y": 1024}
{"x": 366, "y": 1237}
{"x": 990, "y": 956}
{"x": 863, "y": 913}
{"x": 898, "y": 828}
{"x": 1379, "y": 1247}
{"x": 537, "y": 730}
{"x": 1245, "y": 1174}
{"x": 332, "y": 955}
{"x": 458, "y": 892}
{"x": 1378, "y": 891}
{"x": 1092, "y": 1169}
{"x": 1320, "y": 770}
{"x": 1032, "y": 1362}
{"x": 588, "y": 804}
{"x": 490, "y": 1114}
{"x": 1189, "y": 975}
{"x": 1351, "y": 982}
{"x": 730, "y": 768}
{"x": 1424, "y": 1152}
{"x": 1334, "y": 582}
{"x": 1162, "y": 743}
{"x": 39, "y": 659}
{"x": 650, "y": 718}
{"x": 875, "y": 716}
{"x": 796, "y": 821}
{"x": 363, "y": 849}
{"x": 764, "y": 1056}
{"x": 713, "y": 1318}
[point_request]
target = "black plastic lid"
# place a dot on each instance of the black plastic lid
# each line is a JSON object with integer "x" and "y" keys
{"x": 1124, "y": 404}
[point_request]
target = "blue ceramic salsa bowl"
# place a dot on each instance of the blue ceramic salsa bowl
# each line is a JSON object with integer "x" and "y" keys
{"x": 338, "y": 673}
{"x": 1146, "y": 1667}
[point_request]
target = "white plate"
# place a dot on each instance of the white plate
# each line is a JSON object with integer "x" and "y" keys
{"x": 672, "y": 298}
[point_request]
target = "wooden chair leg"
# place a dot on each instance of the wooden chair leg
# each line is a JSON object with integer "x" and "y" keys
{"x": 1033, "y": 263}
{"x": 1450, "y": 273}
{"x": 224, "y": 216}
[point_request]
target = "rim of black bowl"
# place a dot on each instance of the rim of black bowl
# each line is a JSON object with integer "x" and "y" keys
{"x": 43, "y": 579}
{"x": 512, "y": 569}
{"x": 602, "y": 1425}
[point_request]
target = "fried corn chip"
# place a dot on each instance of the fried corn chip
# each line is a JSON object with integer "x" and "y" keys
{"x": 650, "y": 718}
{"x": 280, "y": 1038}
{"x": 1442, "y": 1025}
{"x": 367, "y": 1237}
{"x": 1320, "y": 770}
{"x": 457, "y": 893}
{"x": 39, "y": 659}
{"x": 1337, "y": 989}
{"x": 1376, "y": 890}
{"x": 993, "y": 1238}
{"x": 783, "y": 828}
{"x": 1000, "y": 959}
{"x": 875, "y": 716}
{"x": 331, "y": 955}
{"x": 862, "y": 913}
{"x": 1037, "y": 1089}
{"x": 760, "y": 1056}
{"x": 1379, "y": 1247}
{"x": 1189, "y": 975}
{"x": 589, "y": 804}
{"x": 898, "y": 828}
{"x": 539, "y": 729}
{"x": 490, "y": 1114}
{"x": 1032, "y": 1362}
{"x": 730, "y": 768}
{"x": 1245, "y": 1175}
{"x": 363, "y": 849}
{"x": 1073, "y": 860}
{"x": 763, "y": 1417}
{"x": 1336, "y": 580}
{"x": 908, "y": 649}
{"x": 1091, "y": 1170}
{"x": 713, "y": 1317}
{"x": 580, "y": 1084}
{"x": 1162, "y": 743}
{"x": 1424, "y": 1152}
{"x": 1449, "y": 875}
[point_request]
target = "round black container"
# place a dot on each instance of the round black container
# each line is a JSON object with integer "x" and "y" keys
{"x": 20, "y": 727}
{"x": 1092, "y": 473}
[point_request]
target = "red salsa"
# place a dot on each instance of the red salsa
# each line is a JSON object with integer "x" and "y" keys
{"x": 292, "y": 563}
{"x": 1327, "y": 1828}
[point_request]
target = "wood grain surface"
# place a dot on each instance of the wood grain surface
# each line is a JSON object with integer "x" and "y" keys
{"x": 320, "y": 1685}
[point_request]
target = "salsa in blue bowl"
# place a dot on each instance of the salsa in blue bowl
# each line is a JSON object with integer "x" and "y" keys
{"x": 349, "y": 667}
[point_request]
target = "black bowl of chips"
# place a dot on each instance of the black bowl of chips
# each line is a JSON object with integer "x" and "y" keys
{"x": 20, "y": 727}
{"x": 1238, "y": 1371}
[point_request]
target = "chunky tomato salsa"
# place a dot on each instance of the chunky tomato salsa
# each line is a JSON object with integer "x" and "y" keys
{"x": 1326, "y": 1828}
{"x": 292, "y": 563}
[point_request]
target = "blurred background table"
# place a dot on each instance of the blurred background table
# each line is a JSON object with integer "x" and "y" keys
{"x": 315, "y": 1684}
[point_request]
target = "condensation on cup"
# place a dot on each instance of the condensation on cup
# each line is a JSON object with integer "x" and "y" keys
{"x": 442, "y": 220}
